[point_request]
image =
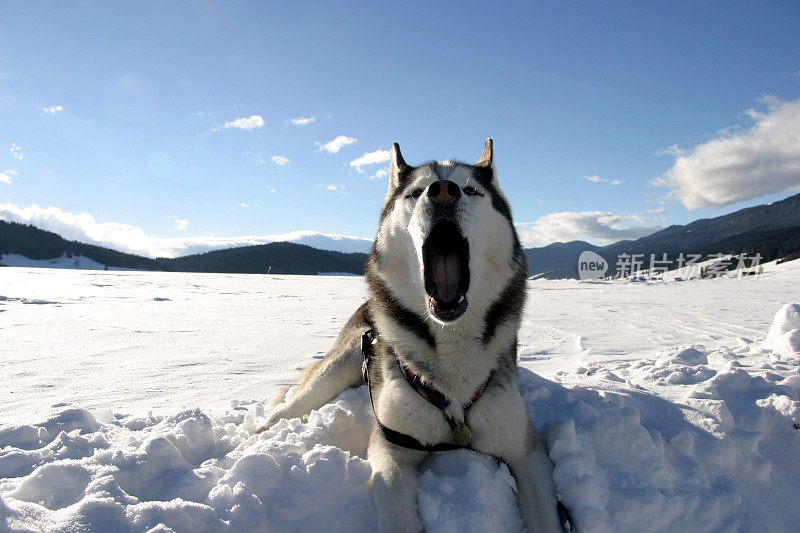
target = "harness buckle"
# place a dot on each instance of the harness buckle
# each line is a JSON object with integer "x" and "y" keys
{"x": 367, "y": 340}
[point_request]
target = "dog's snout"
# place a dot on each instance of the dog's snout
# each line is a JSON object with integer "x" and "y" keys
{"x": 444, "y": 192}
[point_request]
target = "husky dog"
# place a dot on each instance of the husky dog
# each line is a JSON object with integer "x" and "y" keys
{"x": 438, "y": 340}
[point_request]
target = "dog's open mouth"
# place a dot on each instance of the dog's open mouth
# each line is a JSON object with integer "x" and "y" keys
{"x": 445, "y": 256}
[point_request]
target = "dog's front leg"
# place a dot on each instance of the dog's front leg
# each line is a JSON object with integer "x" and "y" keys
{"x": 536, "y": 491}
{"x": 501, "y": 427}
{"x": 394, "y": 484}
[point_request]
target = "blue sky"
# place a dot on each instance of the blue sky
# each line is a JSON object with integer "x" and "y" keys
{"x": 123, "y": 121}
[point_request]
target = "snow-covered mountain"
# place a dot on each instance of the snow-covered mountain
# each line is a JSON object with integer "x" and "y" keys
{"x": 323, "y": 241}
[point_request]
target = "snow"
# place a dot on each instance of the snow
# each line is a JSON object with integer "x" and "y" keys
{"x": 784, "y": 335}
{"x": 78, "y": 262}
{"x": 130, "y": 401}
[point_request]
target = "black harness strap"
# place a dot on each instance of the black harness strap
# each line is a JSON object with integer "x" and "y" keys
{"x": 368, "y": 340}
{"x": 407, "y": 441}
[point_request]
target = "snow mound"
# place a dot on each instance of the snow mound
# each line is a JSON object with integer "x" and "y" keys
{"x": 188, "y": 472}
{"x": 784, "y": 334}
{"x": 628, "y": 461}
{"x": 724, "y": 457}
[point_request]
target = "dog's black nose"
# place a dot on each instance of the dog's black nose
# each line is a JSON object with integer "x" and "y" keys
{"x": 444, "y": 192}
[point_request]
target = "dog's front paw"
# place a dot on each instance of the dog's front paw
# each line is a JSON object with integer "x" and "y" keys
{"x": 396, "y": 503}
{"x": 272, "y": 418}
{"x": 402, "y": 521}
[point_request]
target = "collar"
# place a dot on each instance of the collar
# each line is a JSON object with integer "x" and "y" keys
{"x": 433, "y": 395}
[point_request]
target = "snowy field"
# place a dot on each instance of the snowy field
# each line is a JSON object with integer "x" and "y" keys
{"x": 129, "y": 401}
{"x": 76, "y": 262}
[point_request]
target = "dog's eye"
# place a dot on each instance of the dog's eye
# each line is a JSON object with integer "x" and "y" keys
{"x": 469, "y": 190}
{"x": 416, "y": 193}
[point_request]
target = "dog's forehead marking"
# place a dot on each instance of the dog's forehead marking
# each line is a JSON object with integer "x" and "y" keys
{"x": 460, "y": 174}
{"x": 443, "y": 170}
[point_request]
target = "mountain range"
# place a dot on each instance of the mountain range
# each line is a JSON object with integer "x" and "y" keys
{"x": 274, "y": 257}
{"x": 552, "y": 256}
{"x": 181, "y": 246}
{"x": 731, "y": 233}
{"x": 773, "y": 230}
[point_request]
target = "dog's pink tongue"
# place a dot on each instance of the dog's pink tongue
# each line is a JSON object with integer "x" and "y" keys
{"x": 446, "y": 275}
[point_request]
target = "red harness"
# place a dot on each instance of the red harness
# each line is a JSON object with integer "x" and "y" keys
{"x": 461, "y": 433}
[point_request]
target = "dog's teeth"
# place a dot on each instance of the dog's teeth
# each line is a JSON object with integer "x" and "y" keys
{"x": 461, "y": 299}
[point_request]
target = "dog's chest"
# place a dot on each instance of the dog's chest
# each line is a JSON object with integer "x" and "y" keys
{"x": 459, "y": 369}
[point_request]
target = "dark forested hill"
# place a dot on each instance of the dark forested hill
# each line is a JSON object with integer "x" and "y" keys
{"x": 770, "y": 244}
{"x": 35, "y": 243}
{"x": 554, "y": 255}
{"x": 283, "y": 257}
{"x": 276, "y": 257}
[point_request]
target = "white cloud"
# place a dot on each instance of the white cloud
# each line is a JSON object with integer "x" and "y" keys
{"x": 83, "y": 227}
{"x": 279, "y": 160}
{"x": 371, "y": 158}
{"x": 593, "y": 226}
{"x": 303, "y": 121}
{"x": 739, "y": 163}
{"x": 271, "y": 189}
{"x": 672, "y": 149}
{"x": 245, "y": 123}
{"x": 6, "y": 175}
{"x": 133, "y": 239}
{"x": 180, "y": 223}
{"x": 244, "y": 204}
{"x": 336, "y": 144}
{"x": 16, "y": 151}
{"x": 332, "y": 187}
{"x": 382, "y": 173}
{"x": 598, "y": 179}
{"x": 258, "y": 159}
{"x": 53, "y": 109}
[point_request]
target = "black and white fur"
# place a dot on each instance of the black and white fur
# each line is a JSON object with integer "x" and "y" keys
{"x": 456, "y": 356}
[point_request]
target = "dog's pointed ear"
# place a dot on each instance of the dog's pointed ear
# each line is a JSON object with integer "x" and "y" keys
{"x": 487, "y": 157}
{"x": 397, "y": 168}
{"x": 485, "y": 164}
